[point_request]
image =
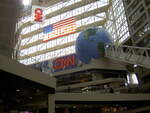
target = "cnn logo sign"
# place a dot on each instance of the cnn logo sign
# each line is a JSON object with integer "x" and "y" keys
{"x": 64, "y": 63}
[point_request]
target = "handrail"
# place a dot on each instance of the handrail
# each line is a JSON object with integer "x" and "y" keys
{"x": 129, "y": 54}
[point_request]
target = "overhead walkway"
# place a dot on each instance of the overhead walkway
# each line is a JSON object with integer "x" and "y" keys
{"x": 129, "y": 54}
{"x": 90, "y": 83}
{"x": 97, "y": 97}
{"x": 14, "y": 67}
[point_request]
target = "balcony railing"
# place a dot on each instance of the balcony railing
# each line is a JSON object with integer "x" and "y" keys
{"x": 129, "y": 54}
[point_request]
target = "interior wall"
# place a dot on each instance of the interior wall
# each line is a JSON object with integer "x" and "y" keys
{"x": 9, "y": 12}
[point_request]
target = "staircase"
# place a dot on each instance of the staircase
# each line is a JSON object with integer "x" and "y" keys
{"x": 133, "y": 55}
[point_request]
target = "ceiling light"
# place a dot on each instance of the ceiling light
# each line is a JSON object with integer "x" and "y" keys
{"x": 74, "y": 106}
{"x": 26, "y": 2}
{"x": 135, "y": 65}
{"x": 30, "y": 97}
{"x": 17, "y": 90}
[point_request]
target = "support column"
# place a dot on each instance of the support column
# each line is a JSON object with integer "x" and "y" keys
{"x": 51, "y": 103}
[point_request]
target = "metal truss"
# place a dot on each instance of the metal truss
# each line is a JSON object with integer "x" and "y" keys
{"x": 129, "y": 54}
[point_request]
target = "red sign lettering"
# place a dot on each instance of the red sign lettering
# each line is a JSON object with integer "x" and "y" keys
{"x": 64, "y": 62}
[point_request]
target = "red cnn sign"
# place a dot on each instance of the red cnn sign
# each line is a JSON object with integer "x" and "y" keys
{"x": 38, "y": 15}
{"x": 64, "y": 63}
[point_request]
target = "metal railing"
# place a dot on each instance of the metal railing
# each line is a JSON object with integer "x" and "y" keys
{"x": 129, "y": 54}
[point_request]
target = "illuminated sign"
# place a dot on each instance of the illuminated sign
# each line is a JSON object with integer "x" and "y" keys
{"x": 37, "y": 14}
{"x": 60, "y": 29}
{"x": 64, "y": 63}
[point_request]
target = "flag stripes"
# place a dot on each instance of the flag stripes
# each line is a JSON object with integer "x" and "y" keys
{"x": 59, "y": 29}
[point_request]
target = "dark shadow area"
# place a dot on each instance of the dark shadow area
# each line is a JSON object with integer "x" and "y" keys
{"x": 21, "y": 94}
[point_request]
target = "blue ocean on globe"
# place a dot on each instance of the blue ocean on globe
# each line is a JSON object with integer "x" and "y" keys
{"x": 90, "y": 44}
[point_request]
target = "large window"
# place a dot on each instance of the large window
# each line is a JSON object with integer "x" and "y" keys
{"x": 32, "y": 44}
{"x": 117, "y": 22}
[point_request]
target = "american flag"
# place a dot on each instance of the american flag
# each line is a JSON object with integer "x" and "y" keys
{"x": 60, "y": 29}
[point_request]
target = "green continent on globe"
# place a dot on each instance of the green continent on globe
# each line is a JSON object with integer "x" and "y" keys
{"x": 89, "y": 32}
{"x": 101, "y": 49}
{"x": 90, "y": 44}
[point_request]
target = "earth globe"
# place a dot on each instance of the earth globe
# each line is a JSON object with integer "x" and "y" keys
{"x": 90, "y": 44}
